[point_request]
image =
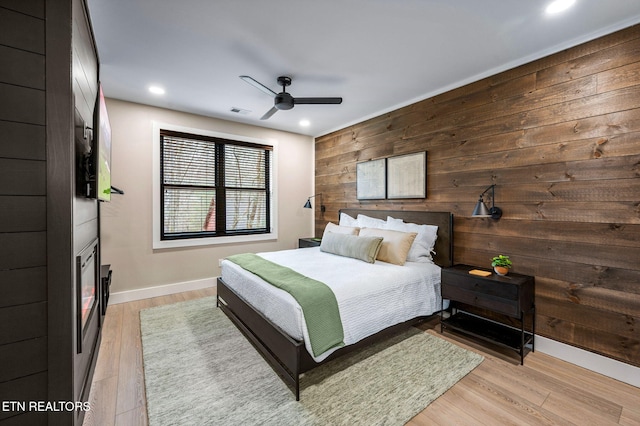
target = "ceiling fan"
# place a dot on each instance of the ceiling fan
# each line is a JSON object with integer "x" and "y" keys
{"x": 284, "y": 100}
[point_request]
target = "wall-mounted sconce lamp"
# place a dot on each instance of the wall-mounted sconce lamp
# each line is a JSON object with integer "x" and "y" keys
{"x": 481, "y": 209}
{"x": 307, "y": 205}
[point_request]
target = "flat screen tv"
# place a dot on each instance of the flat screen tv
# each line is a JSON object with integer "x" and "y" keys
{"x": 102, "y": 159}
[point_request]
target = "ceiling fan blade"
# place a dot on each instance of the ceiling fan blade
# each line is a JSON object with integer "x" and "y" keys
{"x": 258, "y": 85}
{"x": 317, "y": 101}
{"x": 269, "y": 113}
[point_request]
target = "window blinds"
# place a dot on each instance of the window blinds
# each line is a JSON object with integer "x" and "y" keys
{"x": 213, "y": 187}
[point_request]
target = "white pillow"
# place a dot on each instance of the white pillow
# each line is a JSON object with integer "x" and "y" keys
{"x": 346, "y": 220}
{"x": 424, "y": 243}
{"x": 338, "y": 229}
{"x": 371, "y": 222}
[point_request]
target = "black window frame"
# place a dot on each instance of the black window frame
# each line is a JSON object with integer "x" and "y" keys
{"x": 219, "y": 187}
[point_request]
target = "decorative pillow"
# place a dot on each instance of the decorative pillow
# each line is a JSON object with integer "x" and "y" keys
{"x": 346, "y": 220}
{"x": 332, "y": 227}
{"x": 371, "y": 222}
{"x": 423, "y": 244}
{"x": 395, "y": 244}
{"x": 362, "y": 248}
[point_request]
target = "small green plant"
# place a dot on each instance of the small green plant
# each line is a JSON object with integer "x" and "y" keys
{"x": 501, "y": 260}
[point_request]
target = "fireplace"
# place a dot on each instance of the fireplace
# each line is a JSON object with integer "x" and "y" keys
{"x": 87, "y": 273}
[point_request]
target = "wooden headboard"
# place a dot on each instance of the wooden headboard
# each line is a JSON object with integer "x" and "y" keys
{"x": 443, "y": 220}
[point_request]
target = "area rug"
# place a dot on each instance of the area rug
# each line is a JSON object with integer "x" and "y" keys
{"x": 200, "y": 370}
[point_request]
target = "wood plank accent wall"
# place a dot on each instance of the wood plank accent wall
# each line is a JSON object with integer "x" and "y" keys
{"x": 23, "y": 226}
{"x": 560, "y": 137}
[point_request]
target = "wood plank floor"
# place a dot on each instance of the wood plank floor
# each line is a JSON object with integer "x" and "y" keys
{"x": 545, "y": 391}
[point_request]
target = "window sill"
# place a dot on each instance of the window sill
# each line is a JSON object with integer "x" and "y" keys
{"x": 199, "y": 242}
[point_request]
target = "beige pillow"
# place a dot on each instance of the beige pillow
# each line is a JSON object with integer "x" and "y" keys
{"x": 362, "y": 248}
{"x": 339, "y": 229}
{"x": 395, "y": 244}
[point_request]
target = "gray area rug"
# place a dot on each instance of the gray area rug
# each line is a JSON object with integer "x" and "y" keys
{"x": 200, "y": 370}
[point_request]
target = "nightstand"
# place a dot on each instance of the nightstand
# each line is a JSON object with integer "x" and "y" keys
{"x": 511, "y": 295}
{"x": 308, "y": 242}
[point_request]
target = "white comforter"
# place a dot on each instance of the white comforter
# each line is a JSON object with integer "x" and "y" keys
{"x": 371, "y": 297}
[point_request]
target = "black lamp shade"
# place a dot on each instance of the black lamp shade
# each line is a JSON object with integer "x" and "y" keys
{"x": 481, "y": 209}
{"x": 307, "y": 205}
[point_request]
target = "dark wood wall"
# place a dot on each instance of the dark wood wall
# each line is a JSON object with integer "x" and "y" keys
{"x": 85, "y": 210}
{"x": 23, "y": 224}
{"x": 43, "y": 223}
{"x": 560, "y": 138}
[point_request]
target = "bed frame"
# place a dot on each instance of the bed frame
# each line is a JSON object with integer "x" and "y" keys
{"x": 287, "y": 356}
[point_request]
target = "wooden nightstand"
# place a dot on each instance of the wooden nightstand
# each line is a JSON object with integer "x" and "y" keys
{"x": 308, "y": 242}
{"x": 511, "y": 295}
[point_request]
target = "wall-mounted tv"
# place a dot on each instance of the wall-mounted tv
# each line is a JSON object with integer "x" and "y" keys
{"x": 102, "y": 158}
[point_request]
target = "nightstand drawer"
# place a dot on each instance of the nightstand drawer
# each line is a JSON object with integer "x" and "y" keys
{"x": 490, "y": 287}
{"x": 482, "y": 300}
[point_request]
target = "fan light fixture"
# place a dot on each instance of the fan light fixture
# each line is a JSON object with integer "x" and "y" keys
{"x": 283, "y": 100}
{"x": 307, "y": 205}
{"x": 481, "y": 209}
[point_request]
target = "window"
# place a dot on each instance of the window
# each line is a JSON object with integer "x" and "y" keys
{"x": 211, "y": 187}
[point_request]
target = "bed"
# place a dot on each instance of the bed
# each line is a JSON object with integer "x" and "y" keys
{"x": 272, "y": 322}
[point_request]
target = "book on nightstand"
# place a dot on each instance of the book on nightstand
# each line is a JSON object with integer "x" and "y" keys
{"x": 480, "y": 272}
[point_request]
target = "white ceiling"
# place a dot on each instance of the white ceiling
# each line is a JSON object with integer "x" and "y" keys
{"x": 377, "y": 54}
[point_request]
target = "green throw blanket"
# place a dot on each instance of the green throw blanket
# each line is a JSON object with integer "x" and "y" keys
{"x": 319, "y": 305}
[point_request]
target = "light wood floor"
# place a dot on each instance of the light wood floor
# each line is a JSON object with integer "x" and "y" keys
{"x": 544, "y": 391}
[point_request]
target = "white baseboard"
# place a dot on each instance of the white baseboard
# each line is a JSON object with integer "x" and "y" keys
{"x": 600, "y": 364}
{"x": 161, "y": 290}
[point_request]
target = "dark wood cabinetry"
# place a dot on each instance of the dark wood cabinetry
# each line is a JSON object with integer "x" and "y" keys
{"x": 308, "y": 242}
{"x": 48, "y": 72}
{"x": 511, "y": 295}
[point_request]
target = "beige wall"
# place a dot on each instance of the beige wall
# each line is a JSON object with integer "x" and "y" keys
{"x": 126, "y": 221}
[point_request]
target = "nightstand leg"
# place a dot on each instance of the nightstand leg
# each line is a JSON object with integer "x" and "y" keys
{"x": 522, "y": 337}
{"x": 441, "y": 315}
{"x": 533, "y": 331}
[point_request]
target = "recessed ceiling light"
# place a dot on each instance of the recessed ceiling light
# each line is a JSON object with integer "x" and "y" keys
{"x": 305, "y": 123}
{"x": 156, "y": 90}
{"x": 558, "y": 6}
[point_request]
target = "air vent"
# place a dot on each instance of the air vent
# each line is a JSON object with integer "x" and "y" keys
{"x": 240, "y": 110}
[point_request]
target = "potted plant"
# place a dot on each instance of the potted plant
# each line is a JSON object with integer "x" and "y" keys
{"x": 501, "y": 264}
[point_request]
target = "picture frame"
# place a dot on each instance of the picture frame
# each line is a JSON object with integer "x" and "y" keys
{"x": 371, "y": 179}
{"x": 407, "y": 176}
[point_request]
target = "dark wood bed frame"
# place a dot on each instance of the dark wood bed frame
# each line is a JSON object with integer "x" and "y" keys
{"x": 287, "y": 356}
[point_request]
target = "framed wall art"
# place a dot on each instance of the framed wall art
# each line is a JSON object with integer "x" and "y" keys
{"x": 371, "y": 180}
{"x": 407, "y": 176}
